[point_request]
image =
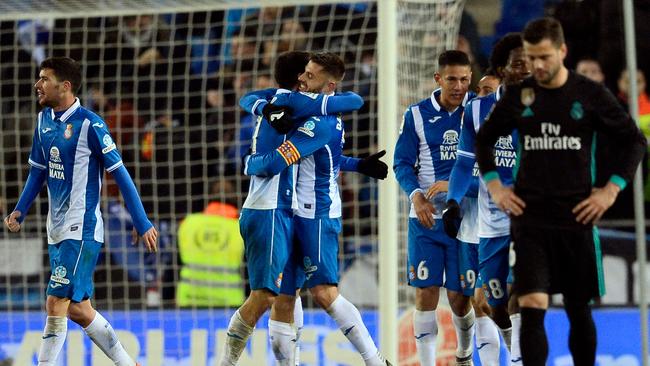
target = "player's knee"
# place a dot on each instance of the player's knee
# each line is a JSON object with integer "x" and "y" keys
{"x": 80, "y": 315}
{"x": 459, "y": 303}
{"x": 426, "y": 298}
{"x": 324, "y": 295}
{"x": 536, "y": 300}
{"x": 284, "y": 304}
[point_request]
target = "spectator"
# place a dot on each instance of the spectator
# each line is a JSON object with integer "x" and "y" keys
{"x": 212, "y": 250}
{"x": 590, "y": 68}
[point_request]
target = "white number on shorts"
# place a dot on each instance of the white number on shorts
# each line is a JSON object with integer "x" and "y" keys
{"x": 471, "y": 278}
{"x": 495, "y": 288}
{"x": 423, "y": 271}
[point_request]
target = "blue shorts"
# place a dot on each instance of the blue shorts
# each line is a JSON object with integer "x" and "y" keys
{"x": 267, "y": 237}
{"x": 493, "y": 259}
{"x": 468, "y": 263}
{"x": 72, "y": 264}
{"x": 317, "y": 244}
{"x": 293, "y": 276}
{"x": 431, "y": 255}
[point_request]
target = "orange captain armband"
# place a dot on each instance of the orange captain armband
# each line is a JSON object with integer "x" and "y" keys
{"x": 289, "y": 152}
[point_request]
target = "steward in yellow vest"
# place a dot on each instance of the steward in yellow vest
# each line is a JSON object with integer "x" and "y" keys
{"x": 212, "y": 251}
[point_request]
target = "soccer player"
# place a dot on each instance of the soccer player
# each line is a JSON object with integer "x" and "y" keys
{"x": 266, "y": 221}
{"x": 424, "y": 156}
{"x": 553, "y": 204}
{"x": 508, "y": 61}
{"x": 317, "y": 220}
{"x": 71, "y": 149}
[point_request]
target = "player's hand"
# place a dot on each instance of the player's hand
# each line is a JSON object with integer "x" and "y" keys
{"x": 505, "y": 198}
{"x": 373, "y": 167}
{"x": 437, "y": 187}
{"x": 593, "y": 207}
{"x": 451, "y": 218}
{"x": 11, "y": 221}
{"x": 278, "y": 117}
{"x": 149, "y": 239}
{"x": 424, "y": 210}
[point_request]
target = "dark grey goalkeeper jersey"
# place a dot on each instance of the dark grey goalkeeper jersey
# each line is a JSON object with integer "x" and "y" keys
{"x": 557, "y": 130}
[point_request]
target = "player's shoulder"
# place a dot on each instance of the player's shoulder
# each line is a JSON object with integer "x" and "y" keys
{"x": 84, "y": 113}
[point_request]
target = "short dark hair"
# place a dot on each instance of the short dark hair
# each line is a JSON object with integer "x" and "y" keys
{"x": 64, "y": 68}
{"x": 331, "y": 63}
{"x": 453, "y": 58}
{"x": 544, "y": 28}
{"x": 503, "y": 47}
{"x": 288, "y": 66}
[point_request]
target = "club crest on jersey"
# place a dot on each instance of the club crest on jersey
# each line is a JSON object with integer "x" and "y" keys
{"x": 68, "y": 131}
{"x": 577, "y": 112}
{"x": 411, "y": 273}
{"x": 108, "y": 143}
{"x": 307, "y": 128}
{"x": 527, "y": 96}
{"x": 449, "y": 145}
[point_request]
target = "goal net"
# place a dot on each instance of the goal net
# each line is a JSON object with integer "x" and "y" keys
{"x": 166, "y": 76}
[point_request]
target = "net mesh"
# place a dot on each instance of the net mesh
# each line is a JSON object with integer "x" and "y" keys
{"x": 166, "y": 76}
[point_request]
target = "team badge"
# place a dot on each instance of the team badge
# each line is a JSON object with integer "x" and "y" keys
{"x": 68, "y": 131}
{"x": 577, "y": 112}
{"x": 59, "y": 276}
{"x": 278, "y": 281}
{"x": 411, "y": 273}
{"x": 527, "y": 96}
{"x": 504, "y": 143}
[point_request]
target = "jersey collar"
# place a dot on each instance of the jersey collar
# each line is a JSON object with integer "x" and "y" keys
{"x": 499, "y": 92}
{"x": 73, "y": 108}
{"x": 282, "y": 91}
{"x": 437, "y": 106}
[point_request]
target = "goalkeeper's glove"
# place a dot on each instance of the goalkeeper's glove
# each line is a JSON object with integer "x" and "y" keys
{"x": 278, "y": 117}
{"x": 373, "y": 167}
{"x": 451, "y": 218}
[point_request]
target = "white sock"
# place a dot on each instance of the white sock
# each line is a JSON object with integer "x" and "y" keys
{"x": 298, "y": 323}
{"x": 506, "y": 334}
{"x": 282, "y": 338}
{"x": 236, "y": 338}
{"x": 515, "y": 351}
{"x": 56, "y": 328}
{"x": 425, "y": 328}
{"x": 487, "y": 341}
{"x": 464, "y": 332}
{"x": 348, "y": 318}
{"x": 102, "y": 334}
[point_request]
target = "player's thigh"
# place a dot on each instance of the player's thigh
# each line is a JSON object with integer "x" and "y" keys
{"x": 532, "y": 267}
{"x": 318, "y": 240}
{"x": 267, "y": 236}
{"x": 494, "y": 268}
{"x": 432, "y": 257}
{"x": 468, "y": 267}
{"x": 72, "y": 267}
{"x": 574, "y": 266}
{"x": 293, "y": 276}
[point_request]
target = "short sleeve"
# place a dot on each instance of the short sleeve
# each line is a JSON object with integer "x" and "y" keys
{"x": 102, "y": 144}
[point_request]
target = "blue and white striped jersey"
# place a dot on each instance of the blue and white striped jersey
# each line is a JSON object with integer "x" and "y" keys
{"x": 75, "y": 149}
{"x": 270, "y": 192}
{"x": 318, "y": 140}
{"x": 426, "y": 148}
{"x": 492, "y": 221}
{"x": 317, "y": 185}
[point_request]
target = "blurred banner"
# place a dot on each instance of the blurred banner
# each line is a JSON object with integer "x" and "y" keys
{"x": 172, "y": 337}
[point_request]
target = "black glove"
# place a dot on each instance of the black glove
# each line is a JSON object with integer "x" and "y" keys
{"x": 278, "y": 117}
{"x": 373, "y": 167}
{"x": 451, "y": 218}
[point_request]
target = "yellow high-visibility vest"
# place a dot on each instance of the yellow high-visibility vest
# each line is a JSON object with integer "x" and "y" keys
{"x": 212, "y": 251}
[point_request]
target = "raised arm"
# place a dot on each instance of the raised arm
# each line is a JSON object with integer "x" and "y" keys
{"x": 309, "y": 137}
